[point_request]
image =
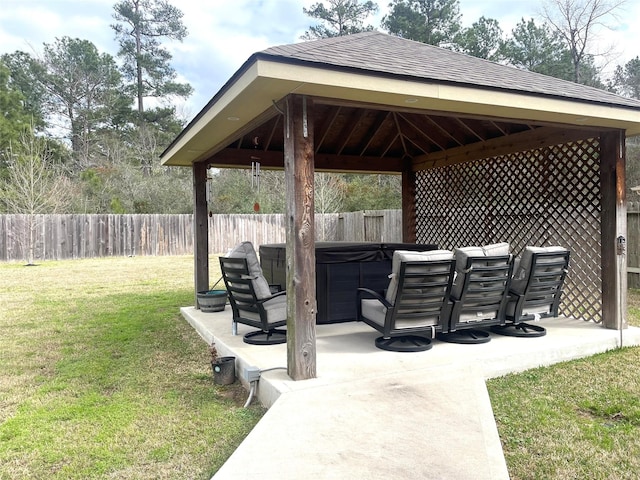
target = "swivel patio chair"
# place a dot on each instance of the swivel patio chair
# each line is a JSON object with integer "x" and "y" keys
{"x": 251, "y": 297}
{"x": 535, "y": 291}
{"x": 479, "y": 293}
{"x": 416, "y": 301}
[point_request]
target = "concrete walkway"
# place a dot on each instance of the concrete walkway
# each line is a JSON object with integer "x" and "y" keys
{"x": 376, "y": 414}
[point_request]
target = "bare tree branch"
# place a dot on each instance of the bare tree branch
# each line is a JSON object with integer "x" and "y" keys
{"x": 577, "y": 21}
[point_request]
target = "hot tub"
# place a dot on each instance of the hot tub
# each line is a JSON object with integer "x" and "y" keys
{"x": 341, "y": 268}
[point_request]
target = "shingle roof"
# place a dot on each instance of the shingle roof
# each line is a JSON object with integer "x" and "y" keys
{"x": 381, "y": 54}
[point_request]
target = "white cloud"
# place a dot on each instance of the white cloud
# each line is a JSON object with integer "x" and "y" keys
{"x": 224, "y": 33}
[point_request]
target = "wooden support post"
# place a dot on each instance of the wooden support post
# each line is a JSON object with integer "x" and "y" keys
{"x": 613, "y": 230}
{"x": 409, "y": 207}
{"x": 200, "y": 229}
{"x": 301, "y": 257}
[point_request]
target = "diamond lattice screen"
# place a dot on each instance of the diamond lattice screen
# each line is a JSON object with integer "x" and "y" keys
{"x": 549, "y": 196}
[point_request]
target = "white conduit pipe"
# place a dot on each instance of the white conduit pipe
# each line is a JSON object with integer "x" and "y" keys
{"x": 254, "y": 384}
{"x": 252, "y": 390}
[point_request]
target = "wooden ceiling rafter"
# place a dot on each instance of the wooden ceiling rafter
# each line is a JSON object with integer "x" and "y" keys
{"x": 437, "y": 113}
{"x": 422, "y": 132}
{"x": 325, "y": 128}
{"x": 381, "y": 117}
{"x": 390, "y": 145}
{"x": 274, "y": 127}
{"x": 421, "y": 141}
{"x": 521, "y": 141}
{"x": 443, "y": 130}
{"x": 400, "y": 135}
{"x": 469, "y": 129}
{"x": 246, "y": 130}
{"x": 355, "y": 121}
{"x": 262, "y": 137}
{"x": 498, "y": 127}
{"x": 421, "y": 148}
{"x": 349, "y": 130}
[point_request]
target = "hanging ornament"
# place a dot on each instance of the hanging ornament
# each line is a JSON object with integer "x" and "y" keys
{"x": 255, "y": 178}
{"x": 255, "y": 174}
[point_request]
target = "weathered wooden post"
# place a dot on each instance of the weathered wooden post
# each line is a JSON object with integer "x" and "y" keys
{"x": 613, "y": 229}
{"x": 408, "y": 205}
{"x": 200, "y": 229}
{"x": 301, "y": 263}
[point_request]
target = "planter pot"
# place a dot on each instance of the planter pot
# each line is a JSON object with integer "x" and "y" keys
{"x": 224, "y": 370}
{"x": 212, "y": 300}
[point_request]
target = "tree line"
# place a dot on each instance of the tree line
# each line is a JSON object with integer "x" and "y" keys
{"x": 82, "y": 131}
{"x": 86, "y": 128}
{"x": 560, "y": 43}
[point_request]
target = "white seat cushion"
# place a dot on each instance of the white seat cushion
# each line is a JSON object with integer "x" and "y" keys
{"x": 535, "y": 310}
{"x": 496, "y": 249}
{"x": 373, "y": 310}
{"x": 376, "y": 312}
{"x": 523, "y": 265}
{"x": 260, "y": 284}
{"x": 400, "y": 256}
{"x": 276, "y": 309}
{"x": 464, "y": 253}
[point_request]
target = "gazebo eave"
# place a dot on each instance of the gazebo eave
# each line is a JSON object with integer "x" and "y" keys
{"x": 249, "y": 99}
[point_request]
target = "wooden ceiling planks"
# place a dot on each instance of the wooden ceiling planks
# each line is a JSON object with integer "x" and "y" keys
{"x": 354, "y": 137}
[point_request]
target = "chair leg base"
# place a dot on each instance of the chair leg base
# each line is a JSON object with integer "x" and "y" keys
{"x": 523, "y": 330}
{"x": 272, "y": 337}
{"x": 405, "y": 343}
{"x": 467, "y": 336}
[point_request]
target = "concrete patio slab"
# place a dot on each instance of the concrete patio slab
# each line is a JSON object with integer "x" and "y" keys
{"x": 378, "y": 414}
{"x": 398, "y": 426}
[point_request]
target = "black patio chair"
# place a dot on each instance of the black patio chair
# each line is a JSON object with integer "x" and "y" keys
{"x": 479, "y": 293}
{"x": 251, "y": 297}
{"x": 535, "y": 290}
{"x": 417, "y": 298}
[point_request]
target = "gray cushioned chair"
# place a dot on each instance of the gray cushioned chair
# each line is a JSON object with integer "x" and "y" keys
{"x": 251, "y": 297}
{"x": 417, "y": 298}
{"x": 479, "y": 293}
{"x": 535, "y": 291}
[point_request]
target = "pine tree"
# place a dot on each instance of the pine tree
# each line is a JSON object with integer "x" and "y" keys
{"x": 141, "y": 25}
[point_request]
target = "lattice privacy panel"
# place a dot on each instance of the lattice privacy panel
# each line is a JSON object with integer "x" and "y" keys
{"x": 549, "y": 196}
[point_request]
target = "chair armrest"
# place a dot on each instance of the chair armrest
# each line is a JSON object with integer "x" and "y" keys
{"x": 266, "y": 299}
{"x": 367, "y": 292}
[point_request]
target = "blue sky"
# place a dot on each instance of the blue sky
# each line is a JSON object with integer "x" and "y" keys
{"x": 224, "y": 33}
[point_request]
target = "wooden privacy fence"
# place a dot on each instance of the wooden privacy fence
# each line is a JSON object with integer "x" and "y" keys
{"x": 57, "y": 237}
{"x": 633, "y": 244}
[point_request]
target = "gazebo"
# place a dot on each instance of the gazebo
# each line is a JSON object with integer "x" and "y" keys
{"x": 486, "y": 152}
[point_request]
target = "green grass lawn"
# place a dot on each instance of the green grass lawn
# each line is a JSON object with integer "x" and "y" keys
{"x": 100, "y": 377}
{"x": 574, "y": 420}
